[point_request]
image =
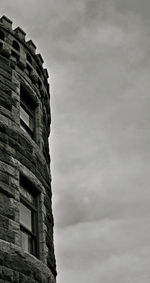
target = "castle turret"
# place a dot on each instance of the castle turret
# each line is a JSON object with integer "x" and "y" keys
{"x": 26, "y": 220}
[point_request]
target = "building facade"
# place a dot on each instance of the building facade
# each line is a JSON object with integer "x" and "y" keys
{"x": 26, "y": 220}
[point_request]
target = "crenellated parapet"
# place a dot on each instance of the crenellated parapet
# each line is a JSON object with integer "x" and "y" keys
{"x": 23, "y": 55}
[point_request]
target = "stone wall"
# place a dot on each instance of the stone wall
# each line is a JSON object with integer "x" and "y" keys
{"x": 21, "y": 154}
{"x": 19, "y": 267}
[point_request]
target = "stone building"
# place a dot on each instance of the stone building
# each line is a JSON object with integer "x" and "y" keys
{"x": 26, "y": 220}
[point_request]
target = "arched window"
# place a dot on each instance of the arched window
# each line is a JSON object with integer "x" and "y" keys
{"x": 29, "y": 58}
{"x": 15, "y": 45}
{"x": 2, "y": 35}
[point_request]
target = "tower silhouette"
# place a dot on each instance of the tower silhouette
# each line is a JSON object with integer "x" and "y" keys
{"x": 26, "y": 220}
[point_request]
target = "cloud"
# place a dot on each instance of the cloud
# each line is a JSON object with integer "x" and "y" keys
{"x": 105, "y": 141}
{"x": 106, "y": 251}
{"x": 105, "y": 136}
{"x": 135, "y": 7}
{"x": 97, "y": 53}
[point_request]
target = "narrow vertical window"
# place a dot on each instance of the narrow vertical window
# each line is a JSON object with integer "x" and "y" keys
{"x": 2, "y": 35}
{"x": 15, "y": 51}
{"x": 27, "y": 113}
{"x": 28, "y": 218}
{"x": 26, "y": 120}
{"x": 29, "y": 58}
{"x": 16, "y": 45}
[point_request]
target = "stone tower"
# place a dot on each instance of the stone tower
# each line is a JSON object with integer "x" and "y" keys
{"x": 26, "y": 220}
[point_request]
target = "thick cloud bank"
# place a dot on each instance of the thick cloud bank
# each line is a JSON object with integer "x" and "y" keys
{"x": 97, "y": 53}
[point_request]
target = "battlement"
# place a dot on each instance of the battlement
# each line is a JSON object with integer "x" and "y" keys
{"x": 13, "y": 45}
{"x": 6, "y": 22}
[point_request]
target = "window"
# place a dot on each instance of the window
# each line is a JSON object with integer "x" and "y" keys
{"x": 15, "y": 45}
{"x": 15, "y": 52}
{"x": 26, "y": 120}
{"x": 29, "y": 58}
{"x": 27, "y": 113}
{"x": 28, "y": 217}
{"x": 2, "y": 35}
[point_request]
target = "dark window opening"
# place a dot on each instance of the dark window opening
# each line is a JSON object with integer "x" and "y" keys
{"x": 27, "y": 113}
{"x": 1, "y": 45}
{"x": 28, "y": 217}
{"x": 2, "y": 35}
{"x": 29, "y": 58}
{"x": 26, "y": 120}
{"x": 15, "y": 45}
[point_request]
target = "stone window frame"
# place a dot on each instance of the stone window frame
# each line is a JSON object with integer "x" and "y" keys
{"x": 29, "y": 127}
{"x": 15, "y": 51}
{"x": 25, "y": 184}
{"x": 35, "y": 106}
{"x": 40, "y": 191}
{"x": 18, "y": 79}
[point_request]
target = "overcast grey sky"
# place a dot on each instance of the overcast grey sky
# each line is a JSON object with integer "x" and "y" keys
{"x": 98, "y": 56}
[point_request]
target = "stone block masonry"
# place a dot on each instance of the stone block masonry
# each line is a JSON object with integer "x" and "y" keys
{"x": 26, "y": 219}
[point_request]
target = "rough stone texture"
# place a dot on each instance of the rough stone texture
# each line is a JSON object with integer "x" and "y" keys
{"x": 21, "y": 154}
{"x": 17, "y": 266}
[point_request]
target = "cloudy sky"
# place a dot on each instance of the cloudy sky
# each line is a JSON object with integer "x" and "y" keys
{"x": 98, "y": 56}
